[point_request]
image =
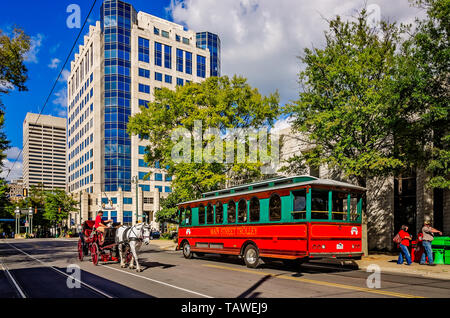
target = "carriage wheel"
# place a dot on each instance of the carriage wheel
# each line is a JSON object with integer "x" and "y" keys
{"x": 80, "y": 250}
{"x": 94, "y": 253}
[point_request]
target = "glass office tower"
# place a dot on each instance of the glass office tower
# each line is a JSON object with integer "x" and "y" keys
{"x": 116, "y": 20}
{"x": 208, "y": 40}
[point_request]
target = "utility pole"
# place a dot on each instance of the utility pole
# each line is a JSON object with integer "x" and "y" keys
{"x": 136, "y": 181}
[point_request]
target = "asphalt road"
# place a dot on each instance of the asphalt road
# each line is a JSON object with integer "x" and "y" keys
{"x": 42, "y": 269}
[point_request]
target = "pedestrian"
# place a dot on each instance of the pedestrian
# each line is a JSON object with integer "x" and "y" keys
{"x": 404, "y": 246}
{"x": 428, "y": 237}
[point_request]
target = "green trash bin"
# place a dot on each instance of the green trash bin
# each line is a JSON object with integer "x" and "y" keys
{"x": 438, "y": 246}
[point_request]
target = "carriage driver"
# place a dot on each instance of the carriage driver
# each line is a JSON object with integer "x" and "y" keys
{"x": 100, "y": 225}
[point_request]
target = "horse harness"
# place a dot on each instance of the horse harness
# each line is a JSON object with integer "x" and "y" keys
{"x": 127, "y": 240}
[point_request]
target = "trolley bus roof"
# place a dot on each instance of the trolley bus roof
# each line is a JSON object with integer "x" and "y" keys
{"x": 274, "y": 184}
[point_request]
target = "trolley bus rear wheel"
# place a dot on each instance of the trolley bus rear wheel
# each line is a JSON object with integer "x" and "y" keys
{"x": 251, "y": 256}
{"x": 187, "y": 253}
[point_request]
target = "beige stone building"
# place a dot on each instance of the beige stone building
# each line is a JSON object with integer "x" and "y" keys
{"x": 391, "y": 202}
{"x": 124, "y": 59}
{"x": 44, "y": 151}
{"x": 16, "y": 190}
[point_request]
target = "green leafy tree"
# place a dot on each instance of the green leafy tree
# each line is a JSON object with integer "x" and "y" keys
{"x": 345, "y": 109}
{"x": 221, "y": 103}
{"x": 13, "y": 74}
{"x": 426, "y": 81}
{"x": 168, "y": 211}
{"x": 58, "y": 205}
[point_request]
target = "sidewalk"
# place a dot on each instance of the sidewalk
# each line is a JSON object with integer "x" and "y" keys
{"x": 165, "y": 245}
{"x": 388, "y": 263}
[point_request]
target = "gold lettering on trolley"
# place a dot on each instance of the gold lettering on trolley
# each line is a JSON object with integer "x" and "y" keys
{"x": 233, "y": 231}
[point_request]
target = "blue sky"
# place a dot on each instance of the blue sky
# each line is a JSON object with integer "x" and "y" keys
{"x": 45, "y": 22}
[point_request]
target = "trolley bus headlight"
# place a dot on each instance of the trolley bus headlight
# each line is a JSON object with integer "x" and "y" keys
{"x": 323, "y": 246}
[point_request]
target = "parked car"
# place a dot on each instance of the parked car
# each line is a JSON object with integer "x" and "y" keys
{"x": 155, "y": 235}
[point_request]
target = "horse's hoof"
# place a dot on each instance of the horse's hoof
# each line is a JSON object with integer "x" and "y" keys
{"x": 138, "y": 270}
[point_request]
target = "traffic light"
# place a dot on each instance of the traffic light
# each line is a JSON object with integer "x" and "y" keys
{"x": 25, "y": 193}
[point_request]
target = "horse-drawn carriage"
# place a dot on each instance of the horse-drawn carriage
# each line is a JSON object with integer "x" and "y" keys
{"x": 114, "y": 244}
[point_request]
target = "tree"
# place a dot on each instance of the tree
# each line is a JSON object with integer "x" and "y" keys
{"x": 13, "y": 74}
{"x": 168, "y": 211}
{"x": 426, "y": 80}
{"x": 220, "y": 103}
{"x": 58, "y": 205}
{"x": 345, "y": 108}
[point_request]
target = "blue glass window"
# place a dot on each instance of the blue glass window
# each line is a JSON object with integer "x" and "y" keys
{"x": 142, "y": 163}
{"x": 144, "y": 50}
{"x": 180, "y": 82}
{"x": 158, "y": 54}
{"x": 156, "y": 31}
{"x": 145, "y": 188}
{"x": 180, "y": 60}
{"x": 142, "y": 175}
{"x": 127, "y": 217}
{"x": 144, "y": 73}
{"x": 114, "y": 216}
{"x": 167, "y": 56}
{"x": 158, "y": 77}
{"x": 165, "y": 34}
{"x": 144, "y": 88}
{"x": 201, "y": 66}
{"x": 160, "y": 188}
{"x": 168, "y": 79}
{"x": 143, "y": 102}
{"x": 157, "y": 165}
{"x": 177, "y": 38}
{"x": 142, "y": 150}
{"x": 127, "y": 201}
{"x": 189, "y": 63}
{"x": 168, "y": 189}
{"x": 158, "y": 177}
{"x": 168, "y": 178}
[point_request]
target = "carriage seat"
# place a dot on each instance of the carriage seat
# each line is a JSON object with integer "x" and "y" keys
{"x": 88, "y": 226}
{"x": 109, "y": 236}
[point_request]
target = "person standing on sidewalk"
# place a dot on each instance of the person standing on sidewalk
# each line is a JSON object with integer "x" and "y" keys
{"x": 428, "y": 237}
{"x": 404, "y": 246}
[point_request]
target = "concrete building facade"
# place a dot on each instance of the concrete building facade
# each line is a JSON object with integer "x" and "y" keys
{"x": 124, "y": 59}
{"x": 44, "y": 151}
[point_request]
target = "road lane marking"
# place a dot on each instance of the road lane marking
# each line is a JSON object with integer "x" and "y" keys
{"x": 65, "y": 274}
{"x": 159, "y": 282}
{"x": 16, "y": 285}
{"x": 316, "y": 282}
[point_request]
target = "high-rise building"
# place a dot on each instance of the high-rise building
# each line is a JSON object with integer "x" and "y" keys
{"x": 125, "y": 57}
{"x": 44, "y": 151}
{"x": 210, "y": 41}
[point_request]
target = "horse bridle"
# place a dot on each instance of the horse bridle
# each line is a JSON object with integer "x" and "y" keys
{"x": 140, "y": 237}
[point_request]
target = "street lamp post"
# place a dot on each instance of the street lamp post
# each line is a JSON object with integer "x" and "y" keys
{"x": 17, "y": 212}
{"x": 30, "y": 216}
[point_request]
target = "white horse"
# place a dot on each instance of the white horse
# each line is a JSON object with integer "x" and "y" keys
{"x": 132, "y": 238}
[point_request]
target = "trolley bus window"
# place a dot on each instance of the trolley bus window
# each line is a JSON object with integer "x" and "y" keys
{"x": 354, "y": 207}
{"x": 319, "y": 205}
{"x": 254, "y": 210}
{"x": 339, "y": 211}
{"x": 231, "y": 211}
{"x": 210, "y": 214}
{"x": 201, "y": 214}
{"x": 242, "y": 211}
{"x": 188, "y": 216}
{"x": 275, "y": 208}
{"x": 299, "y": 211}
{"x": 181, "y": 216}
{"x": 219, "y": 213}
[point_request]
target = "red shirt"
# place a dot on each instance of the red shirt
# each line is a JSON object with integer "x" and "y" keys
{"x": 98, "y": 221}
{"x": 404, "y": 234}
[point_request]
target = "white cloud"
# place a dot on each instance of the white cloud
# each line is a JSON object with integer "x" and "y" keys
{"x": 54, "y": 63}
{"x": 13, "y": 152}
{"x": 35, "y": 46}
{"x": 261, "y": 40}
{"x": 64, "y": 76}
{"x": 61, "y": 97}
{"x": 16, "y": 172}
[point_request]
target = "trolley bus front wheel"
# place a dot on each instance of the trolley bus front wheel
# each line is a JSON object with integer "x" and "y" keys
{"x": 251, "y": 256}
{"x": 187, "y": 253}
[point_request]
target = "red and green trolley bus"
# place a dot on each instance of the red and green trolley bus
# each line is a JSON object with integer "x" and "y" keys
{"x": 289, "y": 218}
